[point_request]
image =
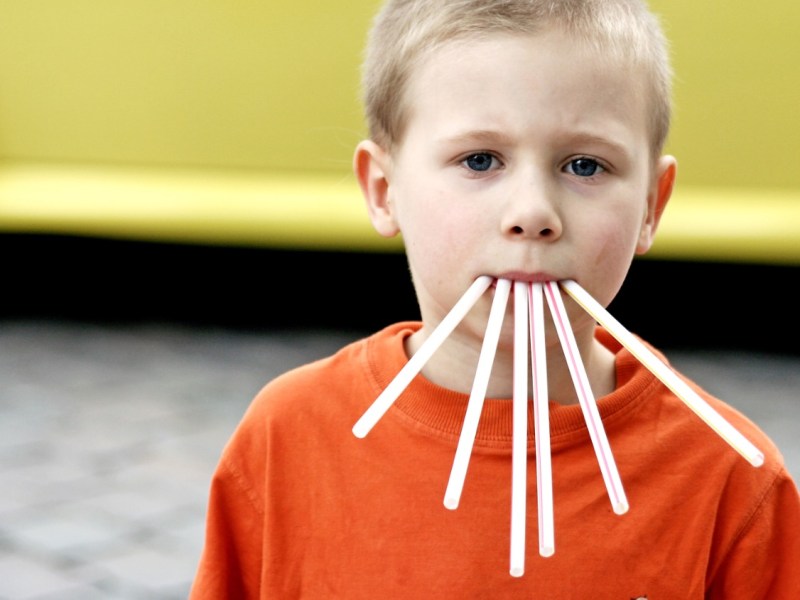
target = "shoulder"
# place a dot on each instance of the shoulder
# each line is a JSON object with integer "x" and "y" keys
{"x": 745, "y": 512}
{"x": 317, "y": 402}
{"x": 332, "y": 385}
{"x": 684, "y": 429}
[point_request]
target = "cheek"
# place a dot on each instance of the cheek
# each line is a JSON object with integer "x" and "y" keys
{"x": 613, "y": 248}
{"x": 615, "y": 231}
{"x": 436, "y": 223}
{"x": 439, "y": 243}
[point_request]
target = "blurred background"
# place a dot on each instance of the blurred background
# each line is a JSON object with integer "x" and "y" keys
{"x": 179, "y": 223}
{"x": 152, "y": 152}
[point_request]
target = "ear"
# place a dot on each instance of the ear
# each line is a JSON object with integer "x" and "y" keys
{"x": 657, "y": 198}
{"x": 371, "y": 164}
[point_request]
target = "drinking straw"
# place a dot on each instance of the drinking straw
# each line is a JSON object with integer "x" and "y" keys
{"x": 519, "y": 448}
{"x": 594, "y": 423}
{"x": 414, "y": 365}
{"x": 667, "y": 376}
{"x": 541, "y": 424}
{"x": 475, "y": 404}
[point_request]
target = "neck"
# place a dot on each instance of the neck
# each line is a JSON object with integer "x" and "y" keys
{"x": 454, "y": 365}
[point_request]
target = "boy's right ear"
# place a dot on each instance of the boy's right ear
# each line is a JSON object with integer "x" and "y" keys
{"x": 371, "y": 164}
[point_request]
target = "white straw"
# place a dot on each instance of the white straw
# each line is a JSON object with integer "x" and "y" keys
{"x": 667, "y": 376}
{"x": 594, "y": 423}
{"x": 541, "y": 423}
{"x": 519, "y": 449}
{"x": 529, "y": 326}
{"x": 382, "y": 403}
{"x": 484, "y": 370}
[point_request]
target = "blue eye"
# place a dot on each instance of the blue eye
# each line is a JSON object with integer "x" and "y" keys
{"x": 480, "y": 162}
{"x": 584, "y": 167}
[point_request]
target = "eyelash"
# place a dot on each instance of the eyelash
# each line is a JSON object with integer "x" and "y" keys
{"x": 600, "y": 167}
{"x": 493, "y": 158}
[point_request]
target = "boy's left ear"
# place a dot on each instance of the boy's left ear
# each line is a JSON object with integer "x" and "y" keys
{"x": 657, "y": 198}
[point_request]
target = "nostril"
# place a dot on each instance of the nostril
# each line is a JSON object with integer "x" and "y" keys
{"x": 546, "y": 232}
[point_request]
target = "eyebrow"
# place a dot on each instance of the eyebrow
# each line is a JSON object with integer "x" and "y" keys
{"x": 590, "y": 138}
{"x": 494, "y": 137}
{"x": 488, "y": 136}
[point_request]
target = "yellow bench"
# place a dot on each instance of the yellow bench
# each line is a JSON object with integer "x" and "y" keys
{"x": 233, "y": 123}
{"x": 325, "y": 212}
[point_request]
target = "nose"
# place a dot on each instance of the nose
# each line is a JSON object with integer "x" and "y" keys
{"x": 531, "y": 213}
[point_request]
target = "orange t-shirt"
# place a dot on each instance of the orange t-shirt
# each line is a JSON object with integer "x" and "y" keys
{"x": 301, "y": 508}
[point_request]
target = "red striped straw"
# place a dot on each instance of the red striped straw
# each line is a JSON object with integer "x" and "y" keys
{"x": 664, "y": 373}
{"x": 608, "y": 468}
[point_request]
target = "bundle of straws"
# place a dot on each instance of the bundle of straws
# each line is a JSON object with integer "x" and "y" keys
{"x": 529, "y": 327}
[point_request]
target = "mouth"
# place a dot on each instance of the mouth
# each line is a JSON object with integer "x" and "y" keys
{"x": 526, "y": 277}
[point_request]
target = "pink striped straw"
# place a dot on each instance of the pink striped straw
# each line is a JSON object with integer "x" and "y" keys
{"x": 608, "y": 468}
{"x": 541, "y": 424}
{"x": 665, "y": 374}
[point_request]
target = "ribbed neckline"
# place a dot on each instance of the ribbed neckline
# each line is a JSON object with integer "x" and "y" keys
{"x": 439, "y": 412}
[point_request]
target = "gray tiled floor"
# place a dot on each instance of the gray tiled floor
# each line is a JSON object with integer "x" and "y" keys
{"x": 109, "y": 436}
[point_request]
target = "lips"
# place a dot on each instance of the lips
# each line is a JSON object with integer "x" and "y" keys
{"x": 527, "y": 277}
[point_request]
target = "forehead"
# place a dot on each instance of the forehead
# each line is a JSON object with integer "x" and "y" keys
{"x": 510, "y": 81}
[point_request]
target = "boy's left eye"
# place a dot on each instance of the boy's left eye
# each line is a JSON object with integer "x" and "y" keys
{"x": 584, "y": 167}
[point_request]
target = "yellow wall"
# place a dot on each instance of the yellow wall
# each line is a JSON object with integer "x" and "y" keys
{"x": 249, "y": 83}
{"x": 203, "y": 87}
{"x": 737, "y": 91}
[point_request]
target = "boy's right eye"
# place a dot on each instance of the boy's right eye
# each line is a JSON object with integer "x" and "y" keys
{"x": 480, "y": 162}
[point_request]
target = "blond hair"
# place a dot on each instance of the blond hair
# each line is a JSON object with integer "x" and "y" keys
{"x": 405, "y": 32}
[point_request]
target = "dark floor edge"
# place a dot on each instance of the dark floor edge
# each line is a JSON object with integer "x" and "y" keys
{"x": 676, "y": 304}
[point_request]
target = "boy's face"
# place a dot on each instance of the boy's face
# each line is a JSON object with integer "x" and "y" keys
{"x": 525, "y": 157}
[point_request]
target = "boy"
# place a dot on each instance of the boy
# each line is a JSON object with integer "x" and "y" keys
{"x": 519, "y": 139}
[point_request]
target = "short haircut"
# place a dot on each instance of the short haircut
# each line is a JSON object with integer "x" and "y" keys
{"x": 405, "y": 33}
